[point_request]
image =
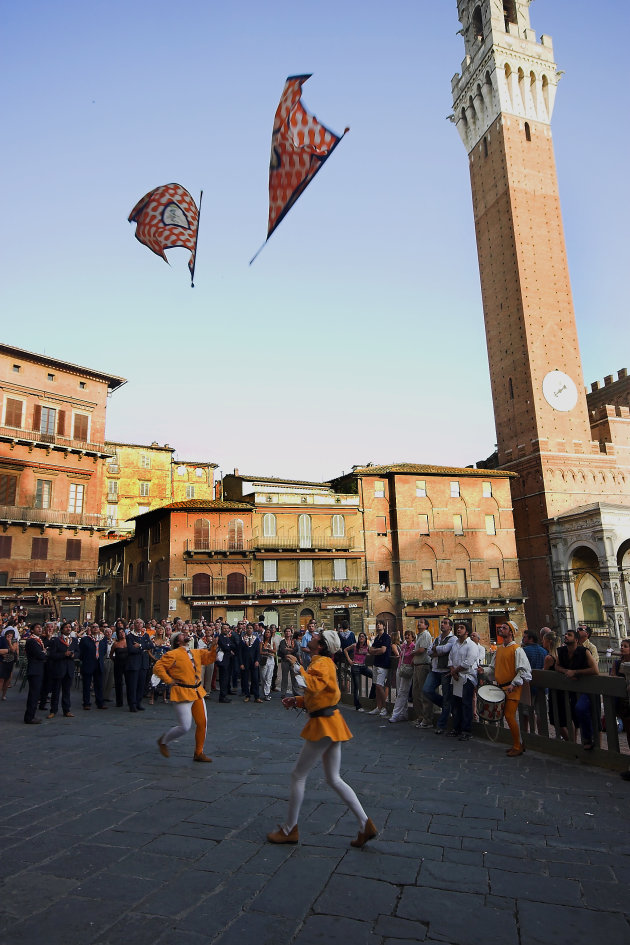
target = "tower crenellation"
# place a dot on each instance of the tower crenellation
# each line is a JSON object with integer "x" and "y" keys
{"x": 505, "y": 70}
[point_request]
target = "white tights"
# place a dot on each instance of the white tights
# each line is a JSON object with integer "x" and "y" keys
{"x": 183, "y": 713}
{"x": 330, "y": 754}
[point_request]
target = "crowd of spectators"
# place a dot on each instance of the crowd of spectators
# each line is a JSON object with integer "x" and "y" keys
{"x": 437, "y": 677}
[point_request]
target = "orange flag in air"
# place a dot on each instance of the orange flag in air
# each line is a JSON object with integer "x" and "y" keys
{"x": 299, "y": 146}
{"x": 167, "y": 217}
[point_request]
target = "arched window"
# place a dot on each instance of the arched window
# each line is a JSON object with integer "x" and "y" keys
{"x": 200, "y": 584}
{"x": 236, "y": 583}
{"x": 140, "y": 608}
{"x": 235, "y": 534}
{"x": 545, "y": 90}
{"x": 141, "y": 572}
{"x": 528, "y": 132}
{"x": 485, "y": 147}
{"x": 592, "y": 607}
{"x": 130, "y": 574}
{"x": 477, "y": 24}
{"x": 269, "y": 525}
{"x": 304, "y": 529}
{"x": 338, "y": 526}
{"x": 509, "y": 14}
{"x": 202, "y": 534}
{"x": 511, "y": 386}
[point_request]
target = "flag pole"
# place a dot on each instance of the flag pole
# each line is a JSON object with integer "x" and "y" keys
{"x": 258, "y": 252}
{"x": 192, "y": 274}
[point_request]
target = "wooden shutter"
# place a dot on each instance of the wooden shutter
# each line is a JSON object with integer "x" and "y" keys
{"x": 8, "y": 489}
{"x": 61, "y": 422}
{"x": 73, "y": 549}
{"x": 39, "y": 549}
{"x": 5, "y": 546}
{"x": 37, "y": 417}
{"x": 13, "y": 413}
{"x": 80, "y": 427}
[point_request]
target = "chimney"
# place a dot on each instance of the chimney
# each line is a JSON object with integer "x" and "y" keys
{"x": 236, "y": 472}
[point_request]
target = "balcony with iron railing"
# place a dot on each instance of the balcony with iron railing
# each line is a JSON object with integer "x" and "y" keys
{"x": 31, "y": 516}
{"x": 53, "y": 579}
{"x": 220, "y": 587}
{"x": 53, "y": 441}
{"x": 271, "y": 543}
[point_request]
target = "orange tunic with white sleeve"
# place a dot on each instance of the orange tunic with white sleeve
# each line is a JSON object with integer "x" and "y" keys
{"x": 176, "y": 666}
{"x": 322, "y": 691}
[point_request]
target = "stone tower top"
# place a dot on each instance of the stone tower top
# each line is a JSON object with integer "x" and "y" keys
{"x": 505, "y": 71}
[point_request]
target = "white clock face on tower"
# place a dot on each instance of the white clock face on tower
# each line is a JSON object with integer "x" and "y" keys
{"x": 559, "y": 391}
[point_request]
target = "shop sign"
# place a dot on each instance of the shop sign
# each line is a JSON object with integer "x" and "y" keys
{"x": 340, "y": 606}
{"x": 501, "y": 610}
{"x": 288, "y": 600}
{"x": 72, "y": 598}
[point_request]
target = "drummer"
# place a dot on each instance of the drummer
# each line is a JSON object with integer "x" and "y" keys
{"x": 509, "y": 667}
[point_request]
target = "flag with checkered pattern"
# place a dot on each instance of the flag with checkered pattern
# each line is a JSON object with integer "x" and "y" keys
{"x": 166, "y": 217}
{"x": 300, "y": 145}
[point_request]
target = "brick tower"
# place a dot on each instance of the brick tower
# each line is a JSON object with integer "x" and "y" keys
{"x": 503, "y": 101}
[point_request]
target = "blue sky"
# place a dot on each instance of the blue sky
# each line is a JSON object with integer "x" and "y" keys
{"x": 357, "y": 335}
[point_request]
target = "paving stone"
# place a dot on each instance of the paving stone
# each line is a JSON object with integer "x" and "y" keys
{"x": 68, "y": 920}
{"x": 133, "y": 930}
{"x": 536, "y": 888}
{"x": 611, "y": 897}
{"x": 255, "y": 927}
{"x": 453, "y": 876}
{"x": 331, "y": 930}
{"x": 399, "y": 870}
{"x": 168, "y": 844}
{"x": 292, "y": 895}
{"x": 83, "y": 860}
{"x": 397, "y": 929}
{"x": 542, "y": 923}
{"x": 515, "y": 864}
{"x": 457, "y": 918}
{"x": 585, "y": 872}
{"x": 214, "y": 913}
{"x": 465, "y": 857}
{"x": 340, "y": 898}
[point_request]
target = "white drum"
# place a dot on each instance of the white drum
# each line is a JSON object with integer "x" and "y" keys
{"x": 490, "y": 703}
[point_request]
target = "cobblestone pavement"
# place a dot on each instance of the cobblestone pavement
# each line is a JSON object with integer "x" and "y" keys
{"x": 105, "y": 841}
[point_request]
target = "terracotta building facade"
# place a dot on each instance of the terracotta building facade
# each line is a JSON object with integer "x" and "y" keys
{"x": 52, "y": 458}
{"x": 438, "y": 542}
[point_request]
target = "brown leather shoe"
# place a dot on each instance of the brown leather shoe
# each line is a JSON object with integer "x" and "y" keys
{"x": 515, "y": 752}
{"x": 163, "y": 748}
{"x": 50, "y": 715}
{"x": 279, "y": 836}
{"x": 201, "y": 757}
{"x": 68, "y": 715}
{"x": 368, "y": 833}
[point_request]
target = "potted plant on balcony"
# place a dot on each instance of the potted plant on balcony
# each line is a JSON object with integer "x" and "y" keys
{"x": 282, "y": 591}
{"x": 355, "y": 589}
{"x": 317, "y": 590}
{"x": 294, "y": 590}
{"x": 306, "y": 590}
{"x": 346, "y": 589}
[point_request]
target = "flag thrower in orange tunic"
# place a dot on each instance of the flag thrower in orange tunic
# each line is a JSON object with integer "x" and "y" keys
{"x": 323, "y": 735}
{"x": 181, "y": 669}
{"x": 300, "y": 145}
